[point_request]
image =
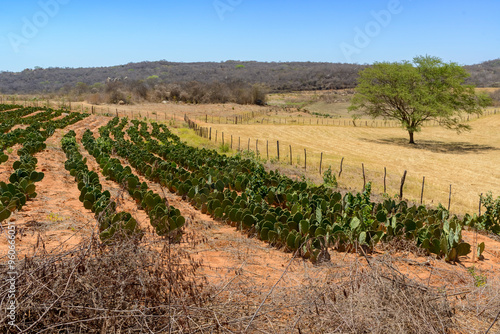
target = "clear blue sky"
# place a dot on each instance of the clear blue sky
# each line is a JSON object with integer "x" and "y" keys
{"x": 78, "y": 33}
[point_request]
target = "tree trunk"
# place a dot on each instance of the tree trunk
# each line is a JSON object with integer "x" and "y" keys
{"x": 411, "y": 137}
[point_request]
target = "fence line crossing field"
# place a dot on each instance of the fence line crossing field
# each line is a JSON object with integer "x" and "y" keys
{"x": 468, "y": 162}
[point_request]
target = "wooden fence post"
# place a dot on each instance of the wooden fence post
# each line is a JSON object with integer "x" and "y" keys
{"x": 257, "y": 147}
{"x": 291, "y": 160}
{"x": 422, "y": 194}
{"x": 341, "y": 162}
{"x": 402, "y": 184}
{"x": 278, "y": 149}
{"x": 320, "y": 163}
{"x": 364, "y": 177}
{"x": 305, "y": 159}
{"x": 385, "y": 176}
{"x": 480, "y": 198}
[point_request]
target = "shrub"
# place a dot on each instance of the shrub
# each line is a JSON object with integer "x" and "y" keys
{"x": 329, "y": 178}
{"x": 479, "y": 279}
{"x": 224, "y": 148}
{"x": 495, "y": 96}
{"x": 258, "y": 95}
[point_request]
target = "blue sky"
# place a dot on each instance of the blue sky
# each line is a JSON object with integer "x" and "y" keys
{"x": 77, "y": 33}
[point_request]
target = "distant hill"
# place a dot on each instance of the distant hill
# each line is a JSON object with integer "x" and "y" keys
{"x": 276, "y": 76}
{"x": 486, "y": 74}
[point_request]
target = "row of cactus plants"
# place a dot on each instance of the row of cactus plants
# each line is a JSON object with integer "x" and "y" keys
{"x": 165, "y": 219}
{"x": 8, "y": 119}
{"x": 21, "y": 186}
{"x": 111, "y": 223}
{"x": 4, "y": 107}
{"x": 320, "y": 216}
{"x": 11, "y": 112}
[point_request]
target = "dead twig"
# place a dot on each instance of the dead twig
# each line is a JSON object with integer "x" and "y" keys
{"x": 493, "y": 323}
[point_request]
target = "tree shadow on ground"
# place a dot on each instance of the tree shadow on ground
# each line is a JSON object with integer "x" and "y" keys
{"x": 436, "y": 146}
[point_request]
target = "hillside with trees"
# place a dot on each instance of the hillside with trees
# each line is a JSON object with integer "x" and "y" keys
{"x": 243, "y": 82}
{"x": 486, "y": 74}
{"x": 276, "y": 76}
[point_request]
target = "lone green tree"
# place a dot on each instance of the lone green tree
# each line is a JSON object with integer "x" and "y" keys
{"x": 415, "y": 92}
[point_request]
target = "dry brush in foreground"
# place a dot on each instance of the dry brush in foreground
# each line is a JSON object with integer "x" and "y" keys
{"x": 146, "y": 287}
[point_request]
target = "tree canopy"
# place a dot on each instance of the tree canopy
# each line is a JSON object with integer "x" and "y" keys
{"x": 426, "y": 89}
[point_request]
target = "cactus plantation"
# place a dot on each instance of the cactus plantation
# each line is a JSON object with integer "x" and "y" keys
{"x": 289, "y": 215}
{"x": 149, "y": 164}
